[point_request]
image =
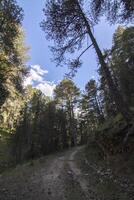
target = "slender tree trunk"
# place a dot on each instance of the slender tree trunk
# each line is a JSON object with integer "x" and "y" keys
{"x": 121, "y": 106}
{"x": 74, "y": 132}
{"x": 72, "y": 127}
{"x": 70, "y": 123}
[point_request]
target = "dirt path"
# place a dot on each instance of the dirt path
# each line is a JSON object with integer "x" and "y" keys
{"x": 63, "y": 178}
{"x": 56, "y": 177}
{"x": 74, "y": 174}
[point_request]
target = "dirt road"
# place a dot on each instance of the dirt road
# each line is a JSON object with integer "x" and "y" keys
{"x": 55, "y": 177}
{"x": 74, "y": 174}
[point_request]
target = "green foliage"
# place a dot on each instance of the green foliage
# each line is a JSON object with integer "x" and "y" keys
{"x": 122, "y": 61}
{"x": 12, "y": 49}
{"x": 67, "y": 95}
{"x": 116, "y": 11}
{"x": 112, "y": 128}
{"x": 41, "y": 128}
{"x": 11, "y": 16}
{"x": 13, "y": 75}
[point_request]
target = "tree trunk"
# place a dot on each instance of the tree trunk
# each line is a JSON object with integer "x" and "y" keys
{"x": 121, "y": 106}
{"x": 74, "y": 131}
{"x": 72, "y": 127}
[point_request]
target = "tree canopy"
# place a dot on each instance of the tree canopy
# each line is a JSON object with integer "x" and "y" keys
{"x": 119, "y": 11}
{"x": 12, "y": 48}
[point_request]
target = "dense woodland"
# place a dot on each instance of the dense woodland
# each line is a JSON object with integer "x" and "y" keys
{"x": 32, "y": 124}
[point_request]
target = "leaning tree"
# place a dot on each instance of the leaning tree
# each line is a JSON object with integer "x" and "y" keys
{"x": 68, "y": 23}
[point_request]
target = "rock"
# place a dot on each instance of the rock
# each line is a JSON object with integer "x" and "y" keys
{"x": 70, "y": 172}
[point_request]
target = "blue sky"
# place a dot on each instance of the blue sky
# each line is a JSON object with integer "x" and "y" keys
{"x": 40, "y": 53}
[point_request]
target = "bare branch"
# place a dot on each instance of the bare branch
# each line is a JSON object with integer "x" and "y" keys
{"x": 84, "y": 51}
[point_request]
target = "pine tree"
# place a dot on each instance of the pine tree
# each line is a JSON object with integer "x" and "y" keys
{"x": 66, "y": 94}
{"x": 68, "y": 24}
{"x": 11, "y": 16}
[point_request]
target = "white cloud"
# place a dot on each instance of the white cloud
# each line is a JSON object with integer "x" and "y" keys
{"x": 47, "y": 88}
{"x": 36, "y": 73}
{"x": 39, "y": 70}
{"x": 36, "y": 78}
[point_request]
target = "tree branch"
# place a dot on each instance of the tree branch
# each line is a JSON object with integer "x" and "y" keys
{"x": 84, "y": 51}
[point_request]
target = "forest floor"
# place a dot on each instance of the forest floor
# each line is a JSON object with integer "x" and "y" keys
{"x": 76, "y": 174}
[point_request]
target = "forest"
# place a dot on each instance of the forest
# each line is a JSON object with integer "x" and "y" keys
{"x": 32, "y": 124}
